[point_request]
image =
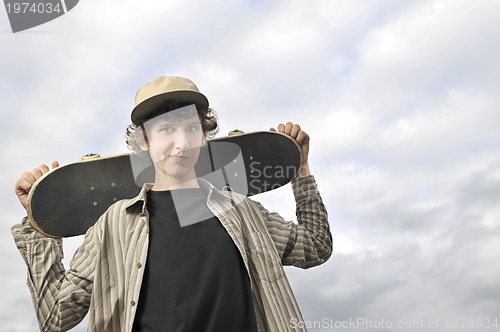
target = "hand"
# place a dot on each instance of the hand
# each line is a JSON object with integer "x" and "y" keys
{"x": 27, "y": 179}
{"x": 303, "y": 139}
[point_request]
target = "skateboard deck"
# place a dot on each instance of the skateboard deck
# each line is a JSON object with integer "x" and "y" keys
{"x": 69, "y": 199}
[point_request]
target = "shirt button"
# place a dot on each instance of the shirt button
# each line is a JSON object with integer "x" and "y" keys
{"x": 132, "y": 303}
{"x": 139, "y": 265}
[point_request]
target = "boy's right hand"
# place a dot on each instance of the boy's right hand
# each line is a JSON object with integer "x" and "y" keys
{"x": 27, "y": 179}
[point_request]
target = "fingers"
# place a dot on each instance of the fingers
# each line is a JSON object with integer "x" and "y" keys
{"x": 281, "y": 128}
{"x": 25, "y": 182}
{"x": 27, "y": 179}
{"x": 24, "y": 185}
{"x": 289, "y": 128}
{"x": 294, "y": 131}
{"x": 302, "y": 137}
{"x": 32, "y": 176}
{"x": 43, "y": 169}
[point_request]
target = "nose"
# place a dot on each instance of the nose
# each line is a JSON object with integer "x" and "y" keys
{"x": 181, "y": 141}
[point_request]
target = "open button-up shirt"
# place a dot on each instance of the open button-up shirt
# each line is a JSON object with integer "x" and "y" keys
{"x": 105, "y": 274}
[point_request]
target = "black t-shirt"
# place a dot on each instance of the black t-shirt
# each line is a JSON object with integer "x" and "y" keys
{"x": 194, "y": 278}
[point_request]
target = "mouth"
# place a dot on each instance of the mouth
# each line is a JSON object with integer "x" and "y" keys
{"x": 178, "y": 157}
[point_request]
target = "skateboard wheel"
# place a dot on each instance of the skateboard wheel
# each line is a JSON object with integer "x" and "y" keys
{"x": 235, "y": 132}
{"x": 90, "y": 156}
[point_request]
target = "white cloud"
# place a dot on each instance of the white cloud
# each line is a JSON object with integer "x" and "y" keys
{"x": 341, "y": 130}
{"x": 407, "y": 90}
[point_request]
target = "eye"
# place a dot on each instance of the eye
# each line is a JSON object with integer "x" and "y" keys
{"x": 192, "y": 129}
{"x": 166, "y": 130}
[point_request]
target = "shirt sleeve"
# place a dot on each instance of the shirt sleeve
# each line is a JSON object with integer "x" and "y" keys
{"x": 61, "y": 297}
{"x": 307, "y": 242}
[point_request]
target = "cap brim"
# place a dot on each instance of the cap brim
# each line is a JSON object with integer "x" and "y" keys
{"x": 143, "y": 111}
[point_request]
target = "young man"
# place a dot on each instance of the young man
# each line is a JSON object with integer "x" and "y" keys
{"x": 181, "y": 256}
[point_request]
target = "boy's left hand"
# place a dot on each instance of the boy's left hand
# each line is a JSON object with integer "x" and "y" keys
{"x": 302, "y": 138}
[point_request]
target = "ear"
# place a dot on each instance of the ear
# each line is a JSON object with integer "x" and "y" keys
{"x": 142, "y": 139}
{"x": 143, "y": 145}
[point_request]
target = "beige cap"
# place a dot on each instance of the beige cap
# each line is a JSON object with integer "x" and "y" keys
{"x": 173, "y": 88}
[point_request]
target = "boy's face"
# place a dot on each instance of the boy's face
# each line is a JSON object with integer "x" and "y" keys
{"x": 174, "y": 141}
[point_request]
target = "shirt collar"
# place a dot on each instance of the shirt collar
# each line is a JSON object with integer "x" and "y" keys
{"x": 206, "y": 186}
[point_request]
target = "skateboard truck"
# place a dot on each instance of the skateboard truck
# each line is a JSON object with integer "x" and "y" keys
{"x": 235, "y": 132}
{"x": 90, "y": 156}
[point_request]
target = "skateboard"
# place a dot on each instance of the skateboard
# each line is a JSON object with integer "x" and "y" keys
{"x": 69, "y": 199}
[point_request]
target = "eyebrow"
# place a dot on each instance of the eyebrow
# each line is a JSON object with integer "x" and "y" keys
{"x": 167, "y": 122}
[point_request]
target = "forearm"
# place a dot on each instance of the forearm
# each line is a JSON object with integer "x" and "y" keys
{"x": 48, "y": 281}
{"x": 311, "y": 237}
{"x": 308, "y": 242}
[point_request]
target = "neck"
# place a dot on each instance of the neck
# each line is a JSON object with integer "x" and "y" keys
{"x": 163, "y": 183}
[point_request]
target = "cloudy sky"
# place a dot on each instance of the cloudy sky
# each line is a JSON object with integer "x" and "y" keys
{"x": 400, "y": 99}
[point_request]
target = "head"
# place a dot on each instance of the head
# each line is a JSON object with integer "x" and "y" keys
{"x": 136, "y": 134}
{"x": 171, "y": 122}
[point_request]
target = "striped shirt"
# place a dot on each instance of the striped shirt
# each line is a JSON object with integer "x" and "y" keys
{"x": 105, "y": 274}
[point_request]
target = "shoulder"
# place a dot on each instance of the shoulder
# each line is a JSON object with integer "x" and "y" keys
{"x": 229, "y": 197}
{"x": 119, "y": 213}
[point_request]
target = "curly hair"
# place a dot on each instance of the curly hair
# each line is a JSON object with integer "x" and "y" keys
{"x": 208, "y": 119}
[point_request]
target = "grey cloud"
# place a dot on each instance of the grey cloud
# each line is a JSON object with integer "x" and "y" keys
{"x": 420, "y": 248}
